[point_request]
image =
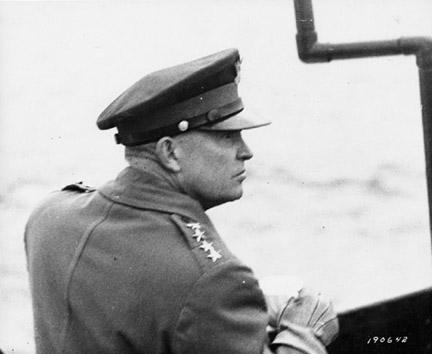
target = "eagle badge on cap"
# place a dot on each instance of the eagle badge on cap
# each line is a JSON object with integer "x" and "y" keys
{"x": 237, "y": 68}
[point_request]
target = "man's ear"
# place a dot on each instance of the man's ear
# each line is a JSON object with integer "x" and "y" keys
{"x": 166, "y": 152}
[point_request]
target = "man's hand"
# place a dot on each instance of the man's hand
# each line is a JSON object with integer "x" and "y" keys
{"x": 278, "y": 291}
{"x": 303, "y": 320}
{"x": 311, "y": 310}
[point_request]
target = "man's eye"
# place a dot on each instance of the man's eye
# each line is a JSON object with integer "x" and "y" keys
{"x": 229, "y": 135}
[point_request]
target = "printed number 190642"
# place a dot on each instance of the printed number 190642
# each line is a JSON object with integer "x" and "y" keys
{"x": 389, "y": 340}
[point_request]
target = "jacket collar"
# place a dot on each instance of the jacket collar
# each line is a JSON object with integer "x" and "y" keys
{"x": 144, "y": 190}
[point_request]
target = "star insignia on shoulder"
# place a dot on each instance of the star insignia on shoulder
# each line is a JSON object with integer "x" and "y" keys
{"x": 206, "y": 246}
{"x": 214, "y": 255}
{"x": 199, "y": 235}
{"x": 197, "y": 232}
{"x": 194, "y": 225}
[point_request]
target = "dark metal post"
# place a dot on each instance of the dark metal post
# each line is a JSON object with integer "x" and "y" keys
{"x": 310, "y": 51}
{"x": 424, "y": 62}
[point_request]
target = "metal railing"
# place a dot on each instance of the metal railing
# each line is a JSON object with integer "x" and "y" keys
{"x": 311, "y": 51}
{"x": 410, "y": 314}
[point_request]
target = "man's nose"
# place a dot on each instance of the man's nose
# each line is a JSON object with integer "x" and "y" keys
{"x": 244, "y": 152}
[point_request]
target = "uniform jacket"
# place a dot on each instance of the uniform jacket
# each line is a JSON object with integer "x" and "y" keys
{"x": 137, "y": 267}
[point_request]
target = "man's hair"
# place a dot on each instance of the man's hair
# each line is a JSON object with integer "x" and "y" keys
{"x": 135, "y": 155}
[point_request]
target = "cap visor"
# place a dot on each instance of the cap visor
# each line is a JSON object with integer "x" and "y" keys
{"x": 240, "y": 121}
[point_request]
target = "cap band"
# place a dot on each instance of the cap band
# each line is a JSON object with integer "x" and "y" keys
{"x": 210, "y": 107}
{"x": 136, "y": 138}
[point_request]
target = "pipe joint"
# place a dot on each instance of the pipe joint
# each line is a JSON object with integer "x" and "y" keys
{"x": 415, "y": 45}
{"x": 317, "y": 53}
{"x": 307, "y": 47}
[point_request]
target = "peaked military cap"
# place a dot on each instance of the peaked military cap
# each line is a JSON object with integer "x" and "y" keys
{"x": 198, "y": 94}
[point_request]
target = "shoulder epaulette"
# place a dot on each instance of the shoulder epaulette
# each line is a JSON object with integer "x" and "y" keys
{"x": 78, "y": 187}
{"x": 198, "y": 239}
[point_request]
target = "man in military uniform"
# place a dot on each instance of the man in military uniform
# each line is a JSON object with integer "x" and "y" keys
{"x": 136, "y": 266}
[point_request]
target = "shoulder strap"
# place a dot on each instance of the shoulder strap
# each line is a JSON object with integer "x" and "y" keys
{"x": 199, "y": 240}
{"x": 78, "y": 187}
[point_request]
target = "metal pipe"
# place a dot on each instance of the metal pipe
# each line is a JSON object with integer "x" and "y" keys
{"x": 311, "y": 51}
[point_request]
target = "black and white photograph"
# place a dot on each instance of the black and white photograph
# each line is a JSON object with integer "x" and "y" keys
{"x": 216, "y": 176}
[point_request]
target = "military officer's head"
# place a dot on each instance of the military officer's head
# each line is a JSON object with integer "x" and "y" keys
{"x": 189, "y": 119}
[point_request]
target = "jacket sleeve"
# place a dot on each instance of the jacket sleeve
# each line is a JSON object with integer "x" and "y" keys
{"x": 225, "y": 312}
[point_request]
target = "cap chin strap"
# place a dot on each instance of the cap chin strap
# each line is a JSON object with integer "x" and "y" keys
{"x": 212, "y": 116}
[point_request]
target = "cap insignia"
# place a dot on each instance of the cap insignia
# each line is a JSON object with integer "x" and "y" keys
{"x": 206, "y": 246}
{"x": 237, "y": 67}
